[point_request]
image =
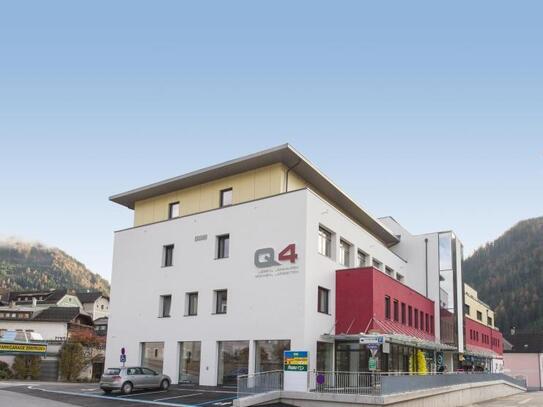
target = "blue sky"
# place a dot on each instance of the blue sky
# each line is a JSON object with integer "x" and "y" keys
{"x": 427, "y": 111}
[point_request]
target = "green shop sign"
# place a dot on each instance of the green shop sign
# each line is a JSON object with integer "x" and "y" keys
{"x": 295, "y": 361}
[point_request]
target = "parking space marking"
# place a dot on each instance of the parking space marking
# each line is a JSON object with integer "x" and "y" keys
{"x": 141, "y": 393}
{"x": 207, "y": 391}
{"x": 215, "y": 401}
{"x": 71, "y": 393}
{"x": 178, "y": 397}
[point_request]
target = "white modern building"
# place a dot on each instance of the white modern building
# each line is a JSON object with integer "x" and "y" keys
{"x": 226, "y": 267}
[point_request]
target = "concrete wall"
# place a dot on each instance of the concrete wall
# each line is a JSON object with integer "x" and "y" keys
{"x": 48, "y": 330}
{"x": 529, "y": 365}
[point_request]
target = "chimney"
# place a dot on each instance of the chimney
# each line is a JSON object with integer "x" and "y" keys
{"x": 34, "y": 302}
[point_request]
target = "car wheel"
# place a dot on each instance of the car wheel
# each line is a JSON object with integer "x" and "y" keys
{"x": 164, "y": 384}
{"x": 127, "y": 388}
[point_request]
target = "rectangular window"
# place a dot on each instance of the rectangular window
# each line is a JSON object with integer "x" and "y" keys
{"x": 361, "y": 259}
{"x": 223, "y": 246}
{"x": 323, "y": 300}
{"x": 377, "y": 264}
{"x": 226, "y": 197}
{"x": 427, "y": 322}
{"x": 403, "y": 313}
{"x": 410, "y": 315}
{"x": 325, "y": 242}
{"x": 165, "y": 306}
{"x": 189, "y": 362}
{"x": 399, "y": 277}
{"x": 479, "y": 316}
{"x": 152, "y": 355}
{"x": 396, "y": 310}
{"x": 416, "y": 318}
{"x": 489, "y": 321}
{"x": 422, "y": 321}
{"x": 192, "y": 304}
{"x": 466, "y": 309}
{"x": 221, "y": 297}
{"x": 173, "y": 210}
{"x": 432, "y": 324}
{"x": 269, "y": 355}
{"x": 389, "y": 271}
{"x": 387, "y": 307}
{"x": 167, "y": 256}
{"x": 344, "y": 253}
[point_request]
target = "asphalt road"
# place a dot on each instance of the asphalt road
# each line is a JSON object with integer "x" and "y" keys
{"x": 531, "y": 399}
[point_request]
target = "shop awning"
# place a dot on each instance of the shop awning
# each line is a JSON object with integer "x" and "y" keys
{"x": 481, "y": 352}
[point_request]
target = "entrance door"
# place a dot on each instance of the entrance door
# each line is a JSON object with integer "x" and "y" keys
{"x": 233, "y": 361}
{"x": 189, "y": 362}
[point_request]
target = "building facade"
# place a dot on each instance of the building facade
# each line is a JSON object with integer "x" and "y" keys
{"x": 227, "y": 267}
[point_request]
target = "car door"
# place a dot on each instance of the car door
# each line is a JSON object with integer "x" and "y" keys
{"x": 135, "y": 375}
{"x": 152, "y": 379}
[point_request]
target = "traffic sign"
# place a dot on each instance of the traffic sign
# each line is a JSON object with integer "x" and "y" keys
{"x": 372, "y": 363}
{"x": 367, "y": 339}
{"x": 373, "y": 347}
{"x": 123, "y": 358}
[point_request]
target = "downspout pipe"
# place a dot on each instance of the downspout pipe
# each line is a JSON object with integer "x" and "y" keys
{"x": 288, "y": 170}
{"x": 426, "y": 265}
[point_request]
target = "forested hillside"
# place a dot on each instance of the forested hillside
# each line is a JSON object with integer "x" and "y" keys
{"x": 31, "y": 266}
{"x": 508, "y": 274}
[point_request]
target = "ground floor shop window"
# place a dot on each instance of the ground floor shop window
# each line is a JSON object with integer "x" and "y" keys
{"x": 189, "y": 362}
{"x": 325, "y": 357}
{"x": 351, "y": 357}
{"x": 233, "y": 361}
{"x": 152, "y": 355}
{"x": 269, "y": 355}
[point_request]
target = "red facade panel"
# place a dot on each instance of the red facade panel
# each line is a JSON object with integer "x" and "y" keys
{"x": 368, "y": 299}
{"x": 480, "y": 336}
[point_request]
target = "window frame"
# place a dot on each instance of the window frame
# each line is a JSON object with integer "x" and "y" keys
{"x": 221, "y": 197}
{"x": 364, "y": 255}
{"x": 221, "y": 251}
{"x": 403, "y": 313}
{"x": 345, "y": 250}
{"x": 218, "y": 310}
{"x": 320, "y": 306}
{"x": 377, "y": 264}
{"x": 162, "y": 308}
{"x": 190, "y": 311}
{"x": 387, "y": 307}
{"x": 168, "y": 248}
{"x": 171, "y": 205}
{"x": 325, "y": 234}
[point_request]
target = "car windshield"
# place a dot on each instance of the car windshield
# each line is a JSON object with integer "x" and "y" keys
{"x": 112, "y": 371}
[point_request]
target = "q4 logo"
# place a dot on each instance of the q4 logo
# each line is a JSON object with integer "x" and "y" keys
{"x": 266, "y": 257}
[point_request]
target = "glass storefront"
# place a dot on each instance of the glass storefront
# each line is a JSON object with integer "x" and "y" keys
{"x": 447, "y": 288}
{"x": 152, "y": 355}
{"x": 325, "y": 357}
{"x": 269, "y": 355}
{"x": 189, "y": 362}
{"x": 233, "y": 361}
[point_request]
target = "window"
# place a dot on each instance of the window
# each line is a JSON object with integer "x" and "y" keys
{"x": 173, "y": 210}
{"x": 427, "y": 322}
{"x": 489, "y": 321}
{"x": 399, "y": 277}
{"x": 167, "y": 256}
{"x": 192, "y": 304}
{"x": 432, "y": 324}
{"x": 416, "y": 318}
{"x": 396, "y": 310}
{"x": 325, "y": 242}
{"x": 410, "y": 315}
{"x": 389, "y": 271}
{"x": 403, "y": 313}
{"x": 361, "y": 259}
{"x": 226, "y": 197}
{"x": 479, "y": 316}
{"x": 344, "y": 253}
{"x": 387, "y": 307}
{"x": 466, "y": 309}
{"x": 223, "y": 246}
{"x": 422, "y": 321}
{"x": 377, "y": 264}
{"x": 221, "y": 297}
{"x": 165, "y": 306}
{"x": 323, "y": 300}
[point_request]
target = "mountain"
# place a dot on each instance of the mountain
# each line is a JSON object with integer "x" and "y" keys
{"x": 33, "y": 266}
{"x": 508, "y": 274}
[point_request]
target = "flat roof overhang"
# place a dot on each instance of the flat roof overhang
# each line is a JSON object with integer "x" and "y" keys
{"x": 285, "y": 154}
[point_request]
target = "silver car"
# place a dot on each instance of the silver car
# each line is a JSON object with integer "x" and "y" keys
{"x": 127, "y": 379}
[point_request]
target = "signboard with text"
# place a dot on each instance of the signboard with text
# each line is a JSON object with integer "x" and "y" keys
{"x": 270, "y": 264}
{"x": 295, "y": 361}
{"x": 22, "y": 348}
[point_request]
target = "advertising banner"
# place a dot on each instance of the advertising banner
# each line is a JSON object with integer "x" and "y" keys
{"x": 22, "y": 348}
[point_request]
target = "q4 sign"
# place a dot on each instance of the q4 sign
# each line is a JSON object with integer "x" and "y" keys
{"x": 266, "y": 257}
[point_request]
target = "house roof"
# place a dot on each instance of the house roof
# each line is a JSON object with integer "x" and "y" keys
{"x": 285, "y": 154}
{"x": 49, "y": 297}
{"x": 525, "y": 343}
{"x": 59, "y": 314}
{"x": 91, "y": 296}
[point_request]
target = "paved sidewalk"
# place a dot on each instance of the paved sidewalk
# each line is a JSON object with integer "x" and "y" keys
{"x": 8, "y": 398}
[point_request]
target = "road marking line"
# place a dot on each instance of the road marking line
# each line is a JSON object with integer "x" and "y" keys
{"x": 216, "y": 401}
{"x": 96, "y": 396}
{"x": 178, "y": 397}
{"x": 525, "y": 401}
{"x": 208, "y": 391}
{"x": 142, "y": 393}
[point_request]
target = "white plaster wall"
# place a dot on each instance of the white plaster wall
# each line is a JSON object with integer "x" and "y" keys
{"x": 48, "y": 330}
{"x": 258, "y": 308}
